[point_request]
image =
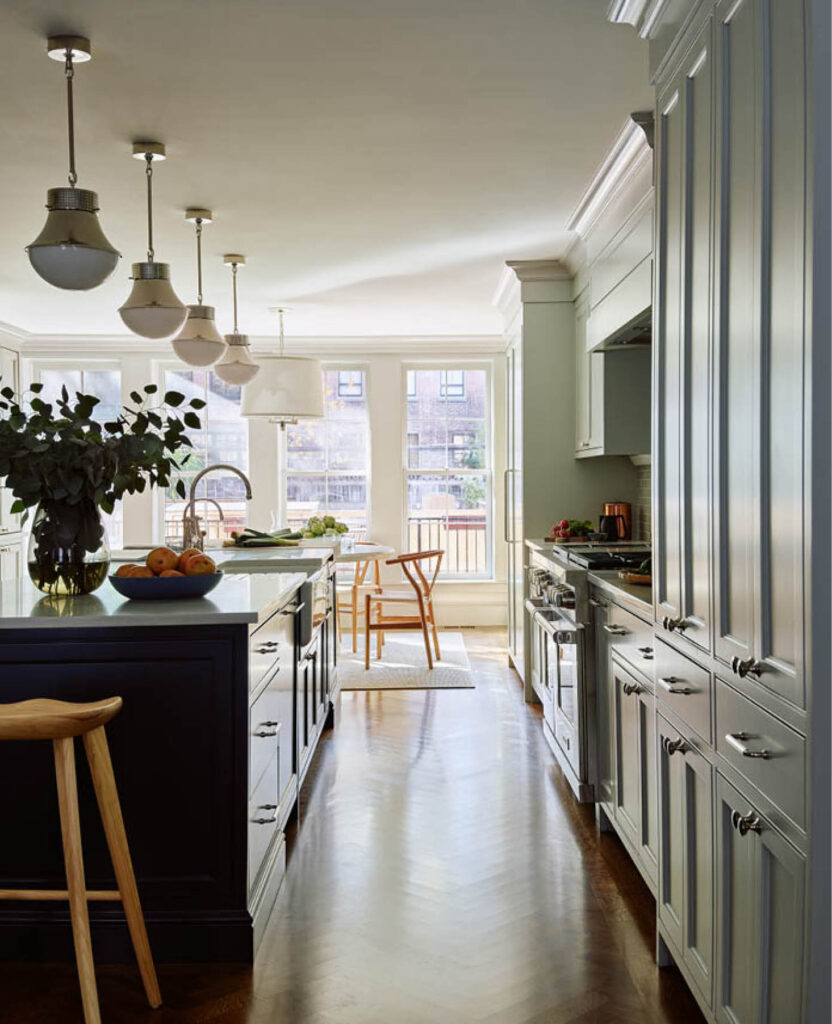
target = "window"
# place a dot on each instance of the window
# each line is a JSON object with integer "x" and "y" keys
{"x": 105, "y": 384}
{"x": 222, "y": 438}
{"x": 327, "y": 460}
{"x": 452, "y": 384}
{"x": 448, "y": 468}
{"x": 350, "y": 384}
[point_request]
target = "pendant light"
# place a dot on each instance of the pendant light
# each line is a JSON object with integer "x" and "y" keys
{"x": 288, "y": 388}
{"x": 72, "y": 251}
{"x": 236, "y": 366}
{"x": 153, "y": 309}
{"x": 199, "y": 343}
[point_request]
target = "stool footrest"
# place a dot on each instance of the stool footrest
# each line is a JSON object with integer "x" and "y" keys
{"x": 57, "y": 894}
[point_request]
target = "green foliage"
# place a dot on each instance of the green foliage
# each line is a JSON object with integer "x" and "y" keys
{"x": 57, "y": 453}
{"x": 473, "y": 492}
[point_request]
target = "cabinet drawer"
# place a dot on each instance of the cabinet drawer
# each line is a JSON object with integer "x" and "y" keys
{"x": 567, "y": 740}
{"x": 271, "y": 642}
{"x": 768, "y": 753}
{"x": 265, "y": 724}
{"x": 684, "y": 687}
{"x": 631, "y": 638}
{"x": 262, "y": 820}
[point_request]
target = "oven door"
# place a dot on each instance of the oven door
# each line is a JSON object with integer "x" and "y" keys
{"x": 538, "y": 650}
{"x": 563, "y": 656}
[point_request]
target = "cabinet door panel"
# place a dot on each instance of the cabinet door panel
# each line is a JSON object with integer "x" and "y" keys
{"x": 737, "y": 885}
{"x": 604, "y": 704}
{"x": 627, "y": 756}
{"x": 780, "y": 584}
{"x": 667, "y": 472}
{"x": 737, "y": 322}
{"x": 671, "y": 896}
{"x": 698, "y": 947}
{"x": 696, "y": 367}
{"x": 649, "y": 824}
{"x": 781, "y": 932}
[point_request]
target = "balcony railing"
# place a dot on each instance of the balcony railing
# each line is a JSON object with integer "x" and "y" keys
{"x": 462, "y": 536}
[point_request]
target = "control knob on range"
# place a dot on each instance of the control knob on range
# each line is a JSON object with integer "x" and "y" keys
{"x": 564, "y": 596}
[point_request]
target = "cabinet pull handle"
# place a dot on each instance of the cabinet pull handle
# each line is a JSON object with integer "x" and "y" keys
{"x": 266, "y": 821}
{"x": 615, "y": 630}
{"x": 629, "y": 688}
{"x": 671, "y": 685}
{"x": 745, "y": 823}
{"x": 596, "y": 603}
{"x": 646, "y": 650}
{"x": 674, "y": 625}
{"x": 737, "y": 740}
{"x": 267, "y": 729}
{"x": 743, "y": 667}
{"x": 673, "y": 746}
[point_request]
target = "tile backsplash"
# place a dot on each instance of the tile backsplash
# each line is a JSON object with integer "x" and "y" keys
{"x": 642, "y": 509}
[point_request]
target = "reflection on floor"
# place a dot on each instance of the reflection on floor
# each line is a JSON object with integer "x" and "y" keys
{"x": 441, "y": 872}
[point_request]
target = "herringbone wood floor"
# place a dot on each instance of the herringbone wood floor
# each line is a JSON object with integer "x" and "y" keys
{"x": 441, "y": 872}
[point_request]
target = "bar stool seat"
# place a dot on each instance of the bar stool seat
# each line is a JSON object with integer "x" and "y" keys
{"x": 44, "y": 719}
{"x": 61, "y": 721}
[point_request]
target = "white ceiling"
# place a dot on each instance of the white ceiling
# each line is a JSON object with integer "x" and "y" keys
{"x": 376, "y": 160}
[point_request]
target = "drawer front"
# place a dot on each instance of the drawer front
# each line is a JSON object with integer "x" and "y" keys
{"x": 631, "y": 638}
{"x": 567, "y": 740}
{"x": 270, "y": 643}
{"x": 263, "y": 812}
{"x": 265, "y": 726}
{"x": 684, "y": 687}
{"x": 764, "y": 750}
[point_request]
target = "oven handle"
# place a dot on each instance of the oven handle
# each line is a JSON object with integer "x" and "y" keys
{"x": 552, "y": 626}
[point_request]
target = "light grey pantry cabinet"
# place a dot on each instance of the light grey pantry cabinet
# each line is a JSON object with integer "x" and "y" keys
{"x": 741, "y": 467}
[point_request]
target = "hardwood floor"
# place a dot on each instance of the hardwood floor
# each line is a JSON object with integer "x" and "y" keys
{"x": 441, "y": 872}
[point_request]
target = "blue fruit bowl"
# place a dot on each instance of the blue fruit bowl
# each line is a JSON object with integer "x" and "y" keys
{"x": 165, "y": 588}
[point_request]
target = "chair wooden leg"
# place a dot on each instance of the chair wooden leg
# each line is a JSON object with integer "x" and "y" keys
{"x": 76, "y": 886}
{"x": 101, "y": 769}
{"x": 367, "y": 632}
{"x": 354, "y": 619}
{"x": 423, "y": 617}
{"x": 433, "y": 628}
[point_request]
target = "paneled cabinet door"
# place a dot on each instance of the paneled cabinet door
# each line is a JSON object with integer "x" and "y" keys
{"x": 760, "y": 908}
{"x": 604, "y": 706}
{"x": 636, "y": 805}
{"x": 589, "y": 383}
{"x": 11, "y": 559}
{"x": 513, "y": 506}
{"x": 682, "y": 355}
{"x": 761, "y": 353}
{"x": 685, "y": 891}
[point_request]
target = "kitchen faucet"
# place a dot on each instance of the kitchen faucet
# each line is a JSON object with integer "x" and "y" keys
{"x": 191, "y": 534}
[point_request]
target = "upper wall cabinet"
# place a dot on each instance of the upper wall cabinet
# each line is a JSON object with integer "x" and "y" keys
{"x": 682, "y": 402}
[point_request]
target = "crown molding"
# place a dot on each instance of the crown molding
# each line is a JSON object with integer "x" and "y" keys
{"x": 643, "y": 15}
{"x": 628, "y": 154}
{"x": 13, "y": 336}
{"x": 57, "y": 346}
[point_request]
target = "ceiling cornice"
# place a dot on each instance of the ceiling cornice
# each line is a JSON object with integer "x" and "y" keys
{"x": 643, "y": 15}
{"x": 629, "y": 152}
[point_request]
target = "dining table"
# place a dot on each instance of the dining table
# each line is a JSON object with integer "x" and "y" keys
{"x": 362, "y": 556}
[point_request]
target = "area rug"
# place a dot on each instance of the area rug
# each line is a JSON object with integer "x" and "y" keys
{"x": 403, "y": 665}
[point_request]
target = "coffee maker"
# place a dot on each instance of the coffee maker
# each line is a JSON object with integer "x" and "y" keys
{"x": 616, "y": 521}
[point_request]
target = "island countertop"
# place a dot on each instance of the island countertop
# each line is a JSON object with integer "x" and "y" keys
{"x": 239, "y": 598}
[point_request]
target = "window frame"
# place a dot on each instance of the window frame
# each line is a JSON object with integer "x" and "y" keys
{"x": 283, "y": 470}
{"x": 489, "y": 575}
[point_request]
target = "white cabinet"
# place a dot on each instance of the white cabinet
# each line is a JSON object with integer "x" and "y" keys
{"x": 9, "y": 377}
{"x": 11, "y": 558}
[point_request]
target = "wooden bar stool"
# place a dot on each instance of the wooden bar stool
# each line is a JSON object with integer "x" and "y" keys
{"x": 60, "y": 722}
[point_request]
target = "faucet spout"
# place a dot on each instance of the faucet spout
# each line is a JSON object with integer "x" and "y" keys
{"x": 191, "y": 534}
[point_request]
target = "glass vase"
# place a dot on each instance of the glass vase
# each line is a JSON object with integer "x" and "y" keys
{"x": 68, "y": 549}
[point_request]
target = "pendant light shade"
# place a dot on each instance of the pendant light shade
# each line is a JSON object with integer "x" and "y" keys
{"x": 287, "y": 389}
{"x": 236, "y": 366}
{"x": 199, "y": 343}
{"x": 72, "y": 251}
{"x": 153, "y": 309}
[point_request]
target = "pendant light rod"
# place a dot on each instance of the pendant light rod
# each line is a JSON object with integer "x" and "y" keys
{"x": 199, "y": 260}
{"x": 149, "y": 151}
{"x": 69, "y": 71}
{"x": 234, "y": 260}
{"x": 280, "y": 313}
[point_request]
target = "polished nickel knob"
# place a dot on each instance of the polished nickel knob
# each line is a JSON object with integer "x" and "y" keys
{"x": 629, "y": 688}
{"x": 674, "y": 625}
{"x": 745, "y": 823}
{"x": 745, "y": 666}
{"x": 673, "y": 746}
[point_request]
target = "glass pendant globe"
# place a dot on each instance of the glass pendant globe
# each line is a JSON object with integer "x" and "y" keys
{"x": 199, "y": 343}
{"x": 72, "y": 251}
{"x": 237, "y": 366}
{"x": 153, "y": 309}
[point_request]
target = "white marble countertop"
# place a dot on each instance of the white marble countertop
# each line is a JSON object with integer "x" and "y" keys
{"x": 267, "y": 559}
{"x": 239, "y": 598}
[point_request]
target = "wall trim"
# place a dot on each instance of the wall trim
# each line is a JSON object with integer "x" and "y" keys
{"x": 626, "y": 156}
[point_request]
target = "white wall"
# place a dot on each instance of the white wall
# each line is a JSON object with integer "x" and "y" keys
{"x": 459, "y": 603}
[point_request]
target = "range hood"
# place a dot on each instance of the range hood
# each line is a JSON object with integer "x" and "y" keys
{"x": 636, "y": 333}
{"x": 624, "y": 316}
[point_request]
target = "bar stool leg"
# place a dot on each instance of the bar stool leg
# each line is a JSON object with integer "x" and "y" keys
{"x": 101, "y": 769}
{"x": 76, "y": 886}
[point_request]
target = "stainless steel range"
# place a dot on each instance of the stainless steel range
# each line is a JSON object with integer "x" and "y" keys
{"x": 559, "y": 612}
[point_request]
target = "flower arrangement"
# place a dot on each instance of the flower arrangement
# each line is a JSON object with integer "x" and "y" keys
{"x": 58, "y": 457}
